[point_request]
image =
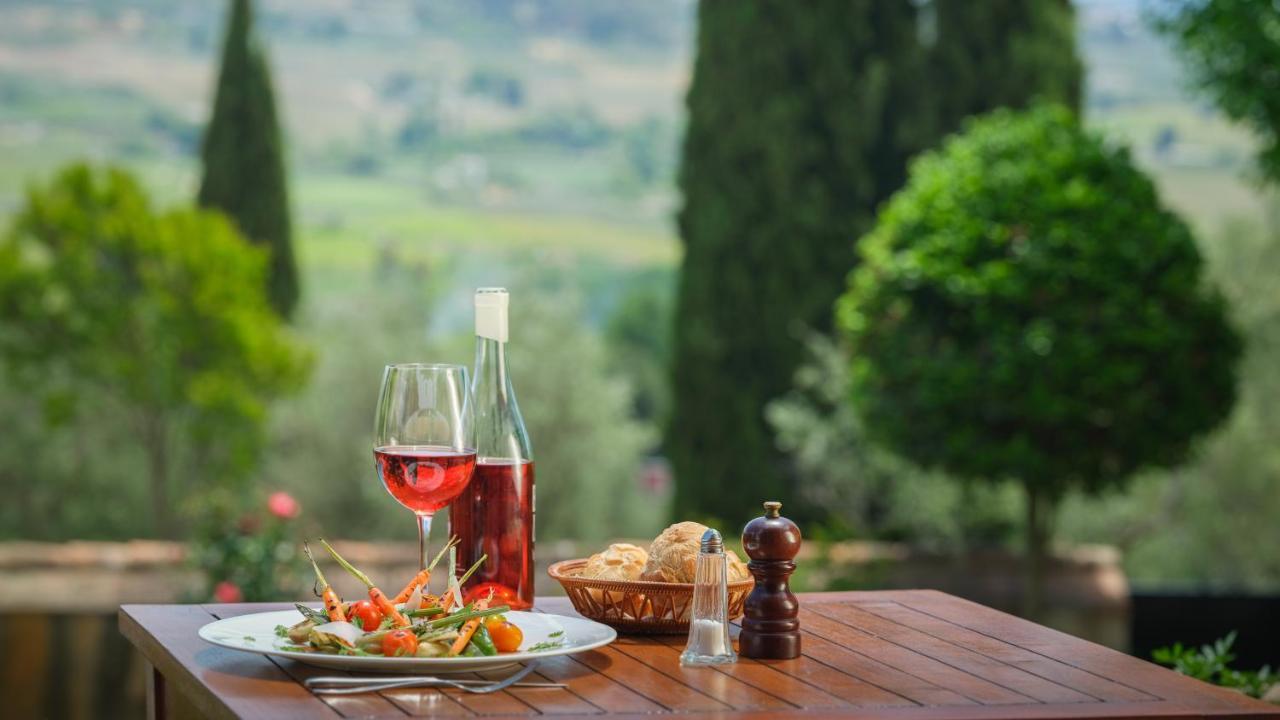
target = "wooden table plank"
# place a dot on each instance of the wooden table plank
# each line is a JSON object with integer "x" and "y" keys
{"x": 961, "y": 682}
{"x": 604, "y": 692}
{"x": 961, "y": 658}
{"x": 725, "y": 688}
{"x": 1069, "y": 650}
{"x": 221, "y": 683}
{"x": 785, "y": 686}
{"x": 648, "y": 682}
{"x": 861, "y": 681}
{"x": 891, "y": 679}
{"x": 1097, "y": 686}
{"x": 548, "y": 701}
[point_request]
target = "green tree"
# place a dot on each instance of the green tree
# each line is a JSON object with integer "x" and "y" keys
{"x": 244, "y": 166}
{"x": 164, "y": 314}
{"x": 801, "y": 118}
{"x": 1231, "y": 50}
{"x": 1002, "y": 53}
{"x": 1026, "y": 309}
{"x": 638, "y": 337}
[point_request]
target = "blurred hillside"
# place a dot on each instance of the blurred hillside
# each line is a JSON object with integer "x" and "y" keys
{"x": 499, "y": 124}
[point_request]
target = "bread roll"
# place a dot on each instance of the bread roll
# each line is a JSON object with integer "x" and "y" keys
{"x": 673, "y": 556}
{"x": 620, "y": 561}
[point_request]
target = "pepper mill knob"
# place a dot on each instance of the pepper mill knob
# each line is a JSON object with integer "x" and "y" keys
{"x": 771, "y": 613}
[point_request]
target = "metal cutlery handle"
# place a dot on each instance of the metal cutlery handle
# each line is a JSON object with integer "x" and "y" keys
{"x": 341, "y": 685}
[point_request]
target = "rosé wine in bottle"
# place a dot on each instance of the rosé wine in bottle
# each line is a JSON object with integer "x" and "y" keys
{"x": 494, "y": 515}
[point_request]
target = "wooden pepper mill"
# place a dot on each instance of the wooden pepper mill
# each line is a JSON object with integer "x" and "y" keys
{"x": 771, "y": 622}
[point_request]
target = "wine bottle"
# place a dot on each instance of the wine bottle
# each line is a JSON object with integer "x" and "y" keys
{"x": 494, "y": 516}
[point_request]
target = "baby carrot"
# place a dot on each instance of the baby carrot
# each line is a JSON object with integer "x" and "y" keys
{"x": 332, "y": 603}
{"x": 469, "y": 629}
{"x": 423, "y": 575}
{"x": 378, "y": 597}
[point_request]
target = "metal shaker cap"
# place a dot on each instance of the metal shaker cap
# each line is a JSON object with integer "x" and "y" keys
{"x": 712, "y": 542}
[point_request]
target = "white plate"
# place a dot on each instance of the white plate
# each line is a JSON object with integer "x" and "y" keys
{"x": 256, "y": 633}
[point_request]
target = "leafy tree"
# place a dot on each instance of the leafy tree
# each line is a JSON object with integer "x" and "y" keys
{"x": 1002, "y": 53}
{"x": 1231, "y": 50}
{"x": 801, "y": 119}
{"x": 1212, "y": 522}
{"x": 1025, "y": 309}
{"x": 868, "y": 491}
{"x": 244, "y": 167}
{"x": 163, "y": 313}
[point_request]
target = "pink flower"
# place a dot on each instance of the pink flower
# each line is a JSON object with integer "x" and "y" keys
{"x": 227, "y": 592}
{"x": 282, "y": 505}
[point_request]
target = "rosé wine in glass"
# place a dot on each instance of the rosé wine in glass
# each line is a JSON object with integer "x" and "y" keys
{"x": 424, "y": 478}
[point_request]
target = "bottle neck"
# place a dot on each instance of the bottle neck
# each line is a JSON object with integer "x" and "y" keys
{"x": 492, "y": 385}
{"x": 500, "y": 431}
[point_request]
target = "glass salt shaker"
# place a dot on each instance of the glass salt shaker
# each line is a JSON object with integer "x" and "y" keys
{"x": 709, "y": 642}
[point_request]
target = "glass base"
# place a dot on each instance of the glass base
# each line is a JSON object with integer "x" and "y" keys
{"x": 689, "y": 659}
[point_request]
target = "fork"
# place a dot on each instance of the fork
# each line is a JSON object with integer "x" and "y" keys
{"x": 354, "y": 686}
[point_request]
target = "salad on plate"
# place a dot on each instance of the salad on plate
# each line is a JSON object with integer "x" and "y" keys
{"x": 413, "y": 623}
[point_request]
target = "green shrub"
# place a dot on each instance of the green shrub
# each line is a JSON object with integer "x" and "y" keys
{"x": 155, "y": 323}
{"x": 866, "y": 491}
{"x": 1026, "y": 309}
{"x": 1212, "y": 521}
{"x": 1210, "y": 664}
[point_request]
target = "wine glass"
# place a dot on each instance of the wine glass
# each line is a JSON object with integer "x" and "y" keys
{"x": 424, "y": 439}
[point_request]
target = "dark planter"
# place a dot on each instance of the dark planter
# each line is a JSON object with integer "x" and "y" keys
{"x": 1162, "y": 618}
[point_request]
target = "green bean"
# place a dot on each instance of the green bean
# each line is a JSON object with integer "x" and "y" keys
{"x": 483, "y": 642}
{"x": 461, "y": 617}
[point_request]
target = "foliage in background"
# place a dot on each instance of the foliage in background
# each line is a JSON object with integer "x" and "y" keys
{"x": 870, "y": 493}
{"x": 1211, "y": 664}
{"x": 638, "y": 339}
{"x": 801, "y": 123}
{"x": 322, "y": 438}
{"x": 1210, "y": 519}
{"x": 115, "y": 315}
{"x": 244, "y": 165}
{"x": 586, "y": 444}
{"x": 245, "y": 554}
{"x": 1002, "y": 53}
{"x": 1232, "y": 52}
{"x": 793, "y": 111}
{"x": 1026, "y": 309}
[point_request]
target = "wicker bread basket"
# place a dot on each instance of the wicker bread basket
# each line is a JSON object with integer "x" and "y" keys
{"x": 637, "y": 606}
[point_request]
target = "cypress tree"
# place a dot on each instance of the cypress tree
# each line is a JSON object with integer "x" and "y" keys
{"x": 801, "y": 118}
{"x": 244, "y": 170}
{"x": 1002, "y": 53}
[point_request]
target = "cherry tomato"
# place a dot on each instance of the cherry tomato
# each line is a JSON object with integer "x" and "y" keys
{"x": 365, "y": 615}
{"x": 502, "y": 595}
{"x": 506, "y": 637}
{"x": 399, "y": 643}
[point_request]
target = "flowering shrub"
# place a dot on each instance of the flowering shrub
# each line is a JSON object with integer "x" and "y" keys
{"x": 247, "y": 554}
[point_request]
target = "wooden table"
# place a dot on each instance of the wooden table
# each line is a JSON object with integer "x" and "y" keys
{"x": 914, "y": 653}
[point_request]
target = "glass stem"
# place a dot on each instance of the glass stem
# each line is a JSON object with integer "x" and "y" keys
{"x": 424, "y": 531}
